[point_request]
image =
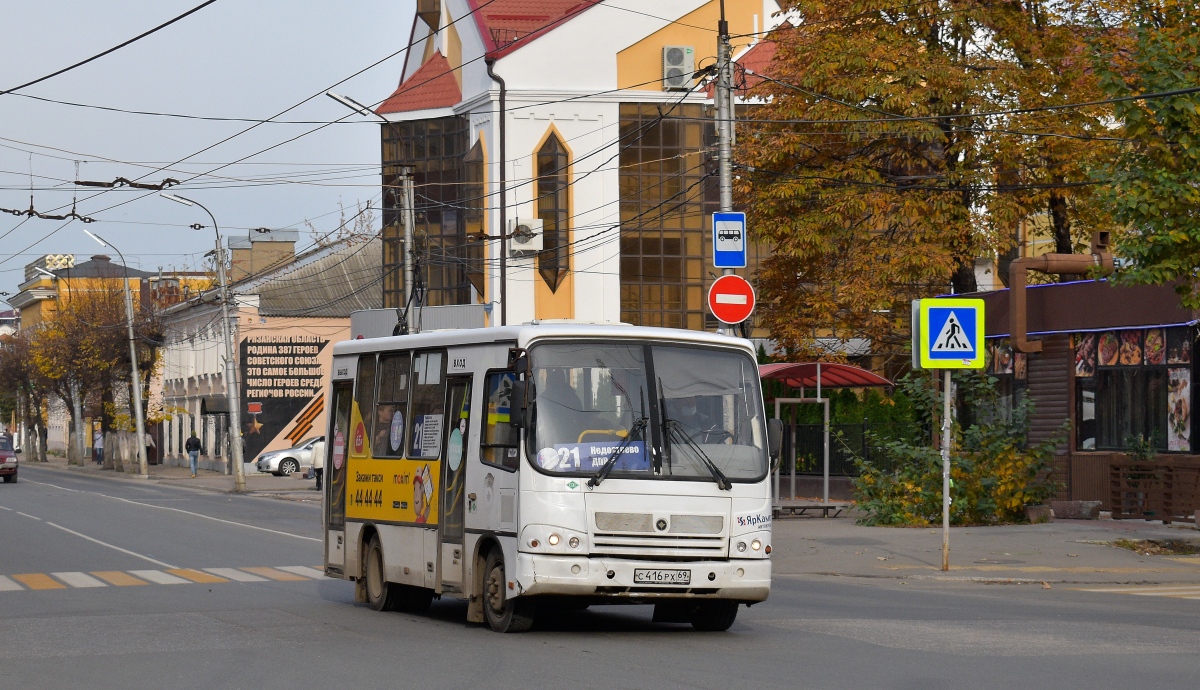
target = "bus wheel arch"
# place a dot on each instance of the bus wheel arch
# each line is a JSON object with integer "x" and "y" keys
{"x": 504, "y": 614}
{"x": 476, "y": 594}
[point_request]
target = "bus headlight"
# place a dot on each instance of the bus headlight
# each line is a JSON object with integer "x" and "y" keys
{"x": 741, "y": 546}
{"x": 573, "y": 542}
{"x": 553, "y": 540}
{"x": 756, "y": 544}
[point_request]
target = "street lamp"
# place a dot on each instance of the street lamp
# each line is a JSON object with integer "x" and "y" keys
{"x": 135, "y": 378}
{"x": 231, "y": 389}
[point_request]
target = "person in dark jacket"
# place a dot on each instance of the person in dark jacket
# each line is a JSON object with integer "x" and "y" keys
{"x": 192, "y": 446}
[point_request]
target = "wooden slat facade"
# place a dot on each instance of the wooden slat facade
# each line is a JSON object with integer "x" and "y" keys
{"x": 1049, "y": 386}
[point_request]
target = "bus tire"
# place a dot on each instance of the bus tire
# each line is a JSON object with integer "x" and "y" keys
{"x": 503, "y": 614}
{"x": 714, "y": 615}
{"x": 380, "y": 592}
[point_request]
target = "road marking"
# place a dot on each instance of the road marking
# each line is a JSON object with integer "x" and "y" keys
{"x": 31, "y": 517}
{"x": 304, "y": 570}
{"x": 3, "y": 508}
{"x": 185, "y": 512}
{"x": 118, "y": 578}
{"x": 1172, "y": 591}
{"x": 158, "y": 577}
{"x": 39, "y": 581}
{"x": 235, "y": 575}
{"x": 79, "y": 580}
{"x": 155, "y": 561}
{"x": 196, "y": 575}
{"x": 276, "y": 574}
{"x": 172, "y": 576}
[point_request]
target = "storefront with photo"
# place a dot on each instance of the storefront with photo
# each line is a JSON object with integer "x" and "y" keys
{"x": 1116, "y": 368}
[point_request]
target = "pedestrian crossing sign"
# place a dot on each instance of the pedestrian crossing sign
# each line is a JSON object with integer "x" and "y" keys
{"x": 949, "y": 333}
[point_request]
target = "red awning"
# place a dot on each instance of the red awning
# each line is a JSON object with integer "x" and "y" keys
{"x": 804, "y": 375}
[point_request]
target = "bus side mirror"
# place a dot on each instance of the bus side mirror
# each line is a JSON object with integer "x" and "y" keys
{"x": 774, "y": 438}
{"x": 516, "y": 406}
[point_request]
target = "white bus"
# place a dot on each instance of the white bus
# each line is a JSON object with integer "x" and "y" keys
{"x": 552, "y": 464}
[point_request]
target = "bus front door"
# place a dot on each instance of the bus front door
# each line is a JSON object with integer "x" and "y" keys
{"x": 335, "y": 478}
{"x": 458, "y": 409}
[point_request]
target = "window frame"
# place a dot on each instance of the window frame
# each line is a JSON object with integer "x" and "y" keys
{"x": 487, "y": 375}
{"x": 412, "y": 395}
{"x": 389, "y": 455}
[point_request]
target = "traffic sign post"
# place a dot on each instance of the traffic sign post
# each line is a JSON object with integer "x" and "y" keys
{"x": 729, "y": 240}
{"x": 731, "y": 299}
{"x": 947, "y": 334}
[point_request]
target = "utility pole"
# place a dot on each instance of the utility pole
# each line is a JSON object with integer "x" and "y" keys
{"x": 231, "y": 387}
{"x": 724, "y": 102}
{"x": 408, "y": 217}
{"x": 135, "y": 376}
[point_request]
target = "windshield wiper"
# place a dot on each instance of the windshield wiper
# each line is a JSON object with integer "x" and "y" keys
{"x": 639, "y": 426}
{"x": 677, "y": 432}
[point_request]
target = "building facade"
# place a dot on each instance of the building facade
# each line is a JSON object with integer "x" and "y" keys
{"x": 284, "y": 319}
{"x": 608, "y": 156}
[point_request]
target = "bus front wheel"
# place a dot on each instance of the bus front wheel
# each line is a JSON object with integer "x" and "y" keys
{"x": 503, "y": 614}
{"x": 714, "y": 615}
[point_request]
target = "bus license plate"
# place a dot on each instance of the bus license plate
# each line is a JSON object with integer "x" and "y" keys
{"x": 645, "y": 576}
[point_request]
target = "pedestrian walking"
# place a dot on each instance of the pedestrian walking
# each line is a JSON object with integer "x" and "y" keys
{"x": 318, "y": 461}
{"x": 148, "y": 442}
{"x": 98, "y": 446}
{"x": 192, "y": 446}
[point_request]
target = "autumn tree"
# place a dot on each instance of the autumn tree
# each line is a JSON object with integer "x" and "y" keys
{"x": 1153, "y": 185}
{"x": 18, "y": 370}
{"x": 898, "y": 143}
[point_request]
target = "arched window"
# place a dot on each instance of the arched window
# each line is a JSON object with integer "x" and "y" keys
{"x": 552, "y": 210}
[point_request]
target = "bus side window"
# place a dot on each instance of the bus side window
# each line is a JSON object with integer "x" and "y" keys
{"x": 392, "y": 409}
{"x": 500, "y": 441}
{"x": 364, "y": 389}
{"x": 428, "y": 403}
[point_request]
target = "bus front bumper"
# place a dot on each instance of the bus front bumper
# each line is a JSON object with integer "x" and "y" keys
{"x": 739, "y": 580}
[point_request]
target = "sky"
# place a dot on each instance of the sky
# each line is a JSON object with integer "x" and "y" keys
{"x": 233, "y": 59}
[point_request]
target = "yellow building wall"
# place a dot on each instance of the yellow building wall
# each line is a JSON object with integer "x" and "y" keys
{"x": 642, "y": 62}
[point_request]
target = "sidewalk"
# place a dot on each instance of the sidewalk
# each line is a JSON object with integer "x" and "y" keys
{"x": 292, "y": 488}
{"x": 1063, "y": 551}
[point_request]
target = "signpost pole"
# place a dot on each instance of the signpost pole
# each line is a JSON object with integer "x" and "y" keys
{"x": 946, "y": 471}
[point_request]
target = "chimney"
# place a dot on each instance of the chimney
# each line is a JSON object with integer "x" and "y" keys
{"x": 261, "y": 252}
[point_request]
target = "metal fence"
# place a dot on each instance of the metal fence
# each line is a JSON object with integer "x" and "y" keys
{"x": 806, "y": 443}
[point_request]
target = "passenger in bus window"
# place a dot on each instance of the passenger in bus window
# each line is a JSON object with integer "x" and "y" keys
{"x": 383, "y": 427}
{"x": 699, "y": 426}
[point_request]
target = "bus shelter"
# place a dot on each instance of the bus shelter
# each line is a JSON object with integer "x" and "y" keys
{"x": 819, "y": 376}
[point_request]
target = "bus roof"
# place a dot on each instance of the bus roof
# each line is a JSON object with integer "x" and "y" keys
{"x": 525, "y": 334}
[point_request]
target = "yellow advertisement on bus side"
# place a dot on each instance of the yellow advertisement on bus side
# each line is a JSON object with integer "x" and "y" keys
{"x": 393, "y": 489}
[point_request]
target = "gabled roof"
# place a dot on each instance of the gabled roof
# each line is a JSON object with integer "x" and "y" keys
{"x": 508, "y": 24}
{"x": 432, "y": 86}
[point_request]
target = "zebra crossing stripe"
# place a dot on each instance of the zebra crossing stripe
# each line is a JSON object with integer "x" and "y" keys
{"x": 118, "y": 578}
{"x": 7, "y": 585}
{"x": 304, "y": 570}
{"x": 196, "y": 575}
{"x": 235, "y": 575}
{"x": 276, "y": 574}
{"x": 39, "y": 581}
{"x": 158, "y": 577}
{"x": 80, "y": 580}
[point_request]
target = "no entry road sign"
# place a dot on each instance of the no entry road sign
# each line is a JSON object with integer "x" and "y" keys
{"x": 731, "y": 299}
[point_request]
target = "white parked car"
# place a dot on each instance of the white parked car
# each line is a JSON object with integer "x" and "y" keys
{"x": 285, "y": 462}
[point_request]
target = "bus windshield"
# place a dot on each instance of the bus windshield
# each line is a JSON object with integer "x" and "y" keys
{"x": 665, "y": 411}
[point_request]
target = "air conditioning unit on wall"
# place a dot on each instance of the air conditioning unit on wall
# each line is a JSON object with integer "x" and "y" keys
{"x": 526, "y": 236}
{"x": 679, "y": 63}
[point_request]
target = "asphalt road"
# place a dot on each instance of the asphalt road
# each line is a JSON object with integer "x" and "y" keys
{"x": 292, "y": 629}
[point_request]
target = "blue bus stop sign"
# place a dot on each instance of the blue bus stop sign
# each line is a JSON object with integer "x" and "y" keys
{"x": 729, "y": 240}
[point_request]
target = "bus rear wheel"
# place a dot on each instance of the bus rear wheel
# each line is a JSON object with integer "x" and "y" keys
{"x": 380, "y": 593}
{"x": 503, "y": 614}
{"x": 714, "y": 616}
